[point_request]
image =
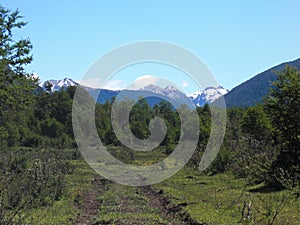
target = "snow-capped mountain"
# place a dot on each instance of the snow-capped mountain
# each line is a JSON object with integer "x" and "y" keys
{"x": 59, "y": 84}
{"x": 209, "y": 95}
{"x": 168, "y": 91}
{"x": 199, "y": 98}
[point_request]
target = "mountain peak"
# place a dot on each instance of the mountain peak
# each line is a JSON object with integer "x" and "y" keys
{"x": 199, "y": 98}
{"x": 152, "y": 87}
{"x": 59, "y": 84}
{"x": 209, "y": 95}
{"x": 169, "y": 90}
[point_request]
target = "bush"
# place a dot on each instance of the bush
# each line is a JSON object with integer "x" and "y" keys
{"x": 30, "y": 179}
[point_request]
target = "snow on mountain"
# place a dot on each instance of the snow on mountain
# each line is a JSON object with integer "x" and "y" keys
{"x": 209, "y": 95}
{"x": 199, "y": 98}
{"x": 59, "y": 84}
{"x": 171, "y": 94}
{"x": 153, "y": 88}
{"x": 168, "y": 91}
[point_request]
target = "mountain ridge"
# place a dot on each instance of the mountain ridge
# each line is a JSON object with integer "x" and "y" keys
{"x": 199, "y": 98}
{"x": 252, "y": 91}
{"x": 248, "y": 93}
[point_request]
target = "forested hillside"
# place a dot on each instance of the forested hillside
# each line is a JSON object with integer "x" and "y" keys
{"x": 253, "y": 91}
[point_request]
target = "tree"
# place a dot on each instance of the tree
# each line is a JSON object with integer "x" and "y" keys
{"x": 165, "y": 111}
{"x": 140, "y": 117}
{"x": 256, "y": 124}
{"x": 232, "y": 145}
{"x": 258, "y": 152}
{"x": 283, "y": 105}
{"x": 16, "y": 86}
{"x": 14, "y": 55}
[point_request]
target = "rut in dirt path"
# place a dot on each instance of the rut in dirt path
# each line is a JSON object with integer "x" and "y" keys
{"x": 175, "y": 214}
{"x": 90, "y": 202}
{"x": 112, "y": 203}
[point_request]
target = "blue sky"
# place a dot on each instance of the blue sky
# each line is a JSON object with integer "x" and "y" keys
{"x": 235, "y": 39}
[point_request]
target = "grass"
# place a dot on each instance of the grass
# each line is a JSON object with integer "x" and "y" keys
{"x": 65, "y": 210}
{"x": 127, "y": 205}
{"x": 138, "y": 157}
{"x": 219, "y": 199}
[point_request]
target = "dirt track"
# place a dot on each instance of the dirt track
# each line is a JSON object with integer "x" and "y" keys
{"x": 90, "y": 205}
{"x": 125, "y": 205}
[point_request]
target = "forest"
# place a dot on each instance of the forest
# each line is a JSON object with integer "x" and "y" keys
{"x": 39, "y": 154}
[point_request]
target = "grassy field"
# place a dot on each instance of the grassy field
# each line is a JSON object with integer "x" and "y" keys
{"x": 188, "y": 196}
{"x": 66, "y": 209}
{"x": 220, "y": 199}
{"x": 127, "y": 205}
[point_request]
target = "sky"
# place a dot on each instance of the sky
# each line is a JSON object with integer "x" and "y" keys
{"x": 235, "y": 39}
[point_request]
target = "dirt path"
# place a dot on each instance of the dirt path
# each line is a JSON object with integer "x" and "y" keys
{"x": 174, "y": 214}
{"x": 91, "y": 204}
{"x": 157, "y": 200}
{"x": 111, "y": 203}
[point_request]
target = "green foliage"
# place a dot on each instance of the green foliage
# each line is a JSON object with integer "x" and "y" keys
{"x": 232, "y": 145}
{"x": 261, "y": 142}
{"x": 283, "y": 105}
{"x": 103, "y": 123}
{"x": 16, "y": 86}
{"x": 30, "y": 179}
{"x": 165, "y": 111}
{"x": 50, "y": 127}
{"x": 256, "y": 124}
{"x": 248, "y": 149}
{"x": 261, "y": 145}
{"x": 14, "y": 54}
{"x": 139, "y": 119}
{"x": 258, "y": 151}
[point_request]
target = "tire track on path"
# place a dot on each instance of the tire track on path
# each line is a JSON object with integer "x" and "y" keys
{"x": 112, "y": 203}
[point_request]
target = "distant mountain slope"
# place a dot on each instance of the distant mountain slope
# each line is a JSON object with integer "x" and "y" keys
{"x": 153, "y": 95}
{"x": 254, "y": 90}
{"x": 199, "y": 98}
